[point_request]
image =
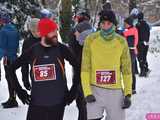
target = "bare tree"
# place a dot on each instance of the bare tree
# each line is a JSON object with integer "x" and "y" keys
{"x": 132, "y": 4}
{"x": 43, "y": 2}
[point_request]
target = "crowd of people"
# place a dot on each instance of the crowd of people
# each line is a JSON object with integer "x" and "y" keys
{"x": 104, "y": 61}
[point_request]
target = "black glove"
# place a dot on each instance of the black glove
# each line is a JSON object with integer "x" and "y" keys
{"x": 90, "y": 99}
{"x": 23, "y": 96}
{"x": 71, "y": 95}
{"x": 126, "y": 102}
{"x": 27, "y": 85}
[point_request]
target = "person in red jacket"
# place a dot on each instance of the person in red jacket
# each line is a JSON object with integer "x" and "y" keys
{"x": 131, "y": 34}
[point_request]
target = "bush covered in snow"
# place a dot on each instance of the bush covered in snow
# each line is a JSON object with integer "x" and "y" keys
{"x": 155, "y": 40}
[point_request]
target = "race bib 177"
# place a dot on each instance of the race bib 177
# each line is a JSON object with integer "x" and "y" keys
{"x": 44, "y": 72}
{"x": 105, "y": 77}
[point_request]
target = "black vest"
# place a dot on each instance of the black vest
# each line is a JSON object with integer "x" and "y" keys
{"x": 47, "y": 91}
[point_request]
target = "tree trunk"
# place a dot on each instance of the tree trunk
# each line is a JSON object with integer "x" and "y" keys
{"x": 65, "y": 20}
{"x": 44, "y": 2}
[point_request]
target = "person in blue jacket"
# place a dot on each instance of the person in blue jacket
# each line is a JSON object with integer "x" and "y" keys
{"x": 9, "y": 43}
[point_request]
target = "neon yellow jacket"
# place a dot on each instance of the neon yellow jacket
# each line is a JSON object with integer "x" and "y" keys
{"x": 113, "y": 55}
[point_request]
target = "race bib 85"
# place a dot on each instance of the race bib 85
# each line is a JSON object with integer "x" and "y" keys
{"x": 105, "y": 77}
{"x": 44, "y": 72}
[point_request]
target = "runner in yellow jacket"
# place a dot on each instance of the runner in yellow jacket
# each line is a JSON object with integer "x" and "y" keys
{"x": 106, "y": 69}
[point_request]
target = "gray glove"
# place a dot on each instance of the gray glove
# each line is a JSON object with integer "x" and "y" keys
{"x": 126, "y": 102}
{"x": 90, "y": 99}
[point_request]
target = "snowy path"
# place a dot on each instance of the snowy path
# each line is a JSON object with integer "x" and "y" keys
{"x": 147, "y": 100}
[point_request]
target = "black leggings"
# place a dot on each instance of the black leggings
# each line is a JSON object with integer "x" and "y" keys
{"x": 81, "y": 105}
{"x": 12, "y": 93}
{"x": 142, "y": 57}
{"x": 133, "y": 60}
{"x": 45, "y": 113}
{"x": 0, "y": 70}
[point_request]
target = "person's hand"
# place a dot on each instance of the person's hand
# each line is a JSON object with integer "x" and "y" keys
{"x": 5, "y": 61}
{"x": 90, "y": 99}
{"x": 126, "y": 102}
{"x": 24, "y": 96}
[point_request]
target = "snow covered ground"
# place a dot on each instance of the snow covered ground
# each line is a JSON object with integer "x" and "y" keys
{"x": 147, "y": 99}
